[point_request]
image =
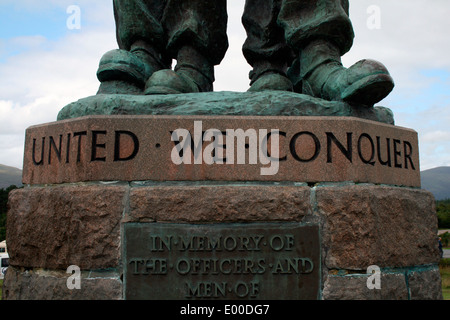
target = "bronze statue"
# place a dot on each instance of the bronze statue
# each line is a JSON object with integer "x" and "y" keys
{"x": 291, "y": 46}
{"x": 151, "y": 33}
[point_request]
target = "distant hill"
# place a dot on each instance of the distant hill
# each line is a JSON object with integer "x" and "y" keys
{"x": 10, "y": 176}
{"x": 437, "y": 181}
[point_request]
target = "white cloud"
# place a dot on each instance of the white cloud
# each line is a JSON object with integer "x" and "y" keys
{"x": 435, "y": 148}
{"x": 412, "y": 42}
{"x": 436, "y": 136}
{"x": 42, "y": 78}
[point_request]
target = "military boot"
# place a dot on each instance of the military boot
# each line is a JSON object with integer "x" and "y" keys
{"x": 126, "y": 72}
{"x": 323, "y": 75}
{"x": 268, "y": 75}
{"x": 193, "y": 73}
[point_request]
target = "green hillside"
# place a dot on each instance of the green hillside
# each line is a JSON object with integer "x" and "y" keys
{"x": 10, "y": 176}
{"x": 437, "y": 181}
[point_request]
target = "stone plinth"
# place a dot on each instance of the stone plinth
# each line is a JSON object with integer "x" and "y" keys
{"x": 53, "y": 227}
{"x": 310, "y": 149}
{"x": 155, "y": 194}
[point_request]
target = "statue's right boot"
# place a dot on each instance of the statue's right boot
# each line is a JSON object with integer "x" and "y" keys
{"x": 126, "y": 72}
{"x": 323, "y": 75}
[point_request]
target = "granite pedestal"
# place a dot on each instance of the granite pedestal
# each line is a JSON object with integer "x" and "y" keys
{"x": 239, "y": 206}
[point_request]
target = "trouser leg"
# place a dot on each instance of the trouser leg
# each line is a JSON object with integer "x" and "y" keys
{"x": 139, "y": 27}
{"x": 305, "y": 20}
{"x": 321, "y": 32}
{"x": 265, "y": 48}
{"x": 139, "y": 20}
{"x": 201, "y": 24}
{"x": 170, "y": 25}
{"x": 197, "y": 39}
{"x": 141, "y": 39}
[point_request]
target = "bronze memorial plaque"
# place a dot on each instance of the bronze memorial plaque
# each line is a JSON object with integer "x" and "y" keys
{"x": 265, "y": 261}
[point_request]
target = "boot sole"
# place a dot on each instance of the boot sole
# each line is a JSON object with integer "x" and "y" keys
{"x": 369, "y": 90}
{"x": 161, "y": 90}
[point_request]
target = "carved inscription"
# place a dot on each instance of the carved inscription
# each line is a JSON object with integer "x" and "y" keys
{"x": 239, "y": 261}
{"x": 166, "y": 148}
{"x": 303, "y": 147}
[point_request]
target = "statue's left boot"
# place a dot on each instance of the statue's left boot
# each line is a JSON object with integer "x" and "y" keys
{"x": 193, "y": 73}
{"x": 323, "y": 75}
{"x": 126, "y": 72}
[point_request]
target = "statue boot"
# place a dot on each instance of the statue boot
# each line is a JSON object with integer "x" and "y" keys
{"x": 126, "y": 72}
{"x": 193, "y": 73}
{"x": 269, "y": 76}
{"x": 323, "y": 75}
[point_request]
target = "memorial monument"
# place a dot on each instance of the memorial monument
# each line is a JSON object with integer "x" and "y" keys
{"x": 159, "y": 188}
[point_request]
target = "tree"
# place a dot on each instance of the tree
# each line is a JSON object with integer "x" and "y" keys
{"x": 443, "y": 213}
{"x": 445, "y": 239}
{"x": 3, "y": 209}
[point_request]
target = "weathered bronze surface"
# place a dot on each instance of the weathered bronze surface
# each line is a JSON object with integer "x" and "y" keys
{"x": 222, "y": 261}
{"x": 291, "y": 46}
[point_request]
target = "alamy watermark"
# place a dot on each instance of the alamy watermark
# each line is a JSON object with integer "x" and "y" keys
{"x": 229, "y": 147}
{"x": 74, "y": 281}
{"x": 374, "y": 19}
{"x": 73, "y": 22}
{"x": 374, "y": 280}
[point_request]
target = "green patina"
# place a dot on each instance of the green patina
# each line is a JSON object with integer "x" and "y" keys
{"x": 266, "y": 103}
{"x": 293, "y": 47}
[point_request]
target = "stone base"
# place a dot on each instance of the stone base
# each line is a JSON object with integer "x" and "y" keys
{"x": 115, "y": 196}
{"x": 53, "y": 227}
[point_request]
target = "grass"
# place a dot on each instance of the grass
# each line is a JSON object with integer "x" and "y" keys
{"x": 444, "y": 268}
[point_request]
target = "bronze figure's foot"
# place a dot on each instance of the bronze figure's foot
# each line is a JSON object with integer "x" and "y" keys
{"x": 170, "y": 82}
{"x": 365, "y": 83}
{"x": 126, "y": 71}
{"x": 271, "y": 81}
{"x": 193, "y": 73}
{"x": 121, "y": 71}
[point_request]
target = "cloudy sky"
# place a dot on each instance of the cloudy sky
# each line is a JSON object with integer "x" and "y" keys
{"x": 49, "y": 58}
